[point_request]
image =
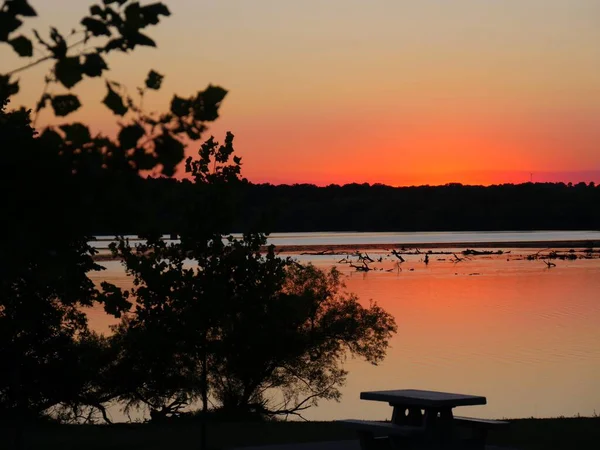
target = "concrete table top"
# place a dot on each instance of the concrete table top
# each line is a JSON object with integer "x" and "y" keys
{"x": 425, "y": 399}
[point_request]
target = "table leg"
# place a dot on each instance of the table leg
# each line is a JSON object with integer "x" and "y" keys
{"x": 439, "y": 428}
{"x": 436, "y": 416}
{"x": 407, "y": 415}
{"x": 366, "y": 440}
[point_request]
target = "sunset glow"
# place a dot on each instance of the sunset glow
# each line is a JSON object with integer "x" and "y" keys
{"x": 399, "y": 93}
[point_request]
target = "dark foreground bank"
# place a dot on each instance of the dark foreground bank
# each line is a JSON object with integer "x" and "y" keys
{"x": 534, "y": 434}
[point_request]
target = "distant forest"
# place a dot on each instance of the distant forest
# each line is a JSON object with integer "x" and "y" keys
{"x": 137, "y": 205}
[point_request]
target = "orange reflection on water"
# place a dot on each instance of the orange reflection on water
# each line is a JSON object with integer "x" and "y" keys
{"x": 523, "y": 336}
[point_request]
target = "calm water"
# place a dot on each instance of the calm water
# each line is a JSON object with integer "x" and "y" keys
{"x": 525, "y": 336}
{"x": 349, "y": 238}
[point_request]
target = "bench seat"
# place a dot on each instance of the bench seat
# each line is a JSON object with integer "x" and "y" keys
{"x": 382, "y": 428}
{"x": 473, "y": 432}
{"x": 483, "y": 423}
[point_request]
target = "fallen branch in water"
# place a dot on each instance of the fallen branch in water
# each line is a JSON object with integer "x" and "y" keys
{"x": 471, "y": 252}
{"x": 457, "y": 259}
{"x": 321, "y": 253}
{"x": 398, "y": 255}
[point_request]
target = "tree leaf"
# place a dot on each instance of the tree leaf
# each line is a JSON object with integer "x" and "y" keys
{"x": 116, "y": 44}
{"x": 108, "y": 2}
{"x": 180, "y": 106}
{"x": 133, "y": 16}
{"x": 130, "y": 135}
{"x": 207, "y": 103}
{"x": 114, "y": 18}
{"x": 152, "y": 12}
{"x": 8, "y": 24}
{"x": 65, "y": 104}
{"x": 21, "y": 8}
{"x": 194, "y": 133}
{"x": 22, "y": 46}
{"x": 140, "y": 39}
{"x": 214, "y": 95}
{"x": 95, "y": 26}
{"x": 96, "y": 10}
{"x": 114, "y": 299}
{"x": 93, "y": 65}
{"x": 169, "y": 152}
{"x": 154, "y": 80}
{"x": 7, "y": 88}
{"x": 114, "y": 101}
{"x": 68, "y": 71}
{"x": 76, "y": 133}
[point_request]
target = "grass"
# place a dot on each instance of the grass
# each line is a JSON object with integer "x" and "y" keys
{"x": 552, "y": 434}
{"x": 526, "y": 434}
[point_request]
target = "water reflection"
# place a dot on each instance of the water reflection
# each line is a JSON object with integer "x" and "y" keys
{"x": 525, "y": 336}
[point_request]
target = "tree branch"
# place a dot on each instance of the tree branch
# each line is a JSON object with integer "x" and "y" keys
{"x": 41, "y": 60}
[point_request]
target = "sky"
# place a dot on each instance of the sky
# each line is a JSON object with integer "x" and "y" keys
{"x": 379, "y": 91}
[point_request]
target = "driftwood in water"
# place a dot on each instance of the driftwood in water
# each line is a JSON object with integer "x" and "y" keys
{"x": 363, "y": 259}
{"x": 457, "y": 259}
{"x": 471, "y": 252}
{"x": 363, "y": 268}
{"x": 398, "y": 255}
{"x": 553, "y": 254}
{"x": 321, "y": 253}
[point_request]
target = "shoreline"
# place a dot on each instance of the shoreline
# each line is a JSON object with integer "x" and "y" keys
{"x": 332, "y": 249}
{"x": 342, "y": 248}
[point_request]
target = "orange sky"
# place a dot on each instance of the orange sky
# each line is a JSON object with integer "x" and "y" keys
{"x": 383, "y": 91}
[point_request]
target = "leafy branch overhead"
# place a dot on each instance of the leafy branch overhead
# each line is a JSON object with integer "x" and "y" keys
{"x": 146, "y": 140}
{"x": 118, "y": 24}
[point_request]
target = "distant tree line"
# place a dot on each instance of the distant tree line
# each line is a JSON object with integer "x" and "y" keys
{"x": 156, "y": 203}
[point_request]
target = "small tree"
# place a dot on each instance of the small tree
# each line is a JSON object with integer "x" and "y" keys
{"x": 170, "y": 292}
{"x": 284, "y": 342}
{"x": 89, "y": 381}
{"x": 259, "y": 332}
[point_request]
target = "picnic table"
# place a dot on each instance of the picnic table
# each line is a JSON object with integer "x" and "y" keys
{"x": 424, "y": 419}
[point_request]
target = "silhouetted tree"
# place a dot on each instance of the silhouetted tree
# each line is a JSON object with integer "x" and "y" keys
{"x": 50, "y": 362}
{"x": 257, "y": 332}
{"x": 91, "y": 381}
{"x": 285, "y": 336}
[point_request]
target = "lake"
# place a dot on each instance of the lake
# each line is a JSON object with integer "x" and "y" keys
{"x": 407, "y": 238}
{"x": 513, "y": 329}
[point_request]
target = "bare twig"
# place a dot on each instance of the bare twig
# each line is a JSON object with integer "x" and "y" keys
{"x": 41, "y": 60}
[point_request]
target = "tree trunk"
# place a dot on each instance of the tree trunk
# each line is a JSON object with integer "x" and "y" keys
{"x": 19, "y": 403}
{"x": 204, "y": 367}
